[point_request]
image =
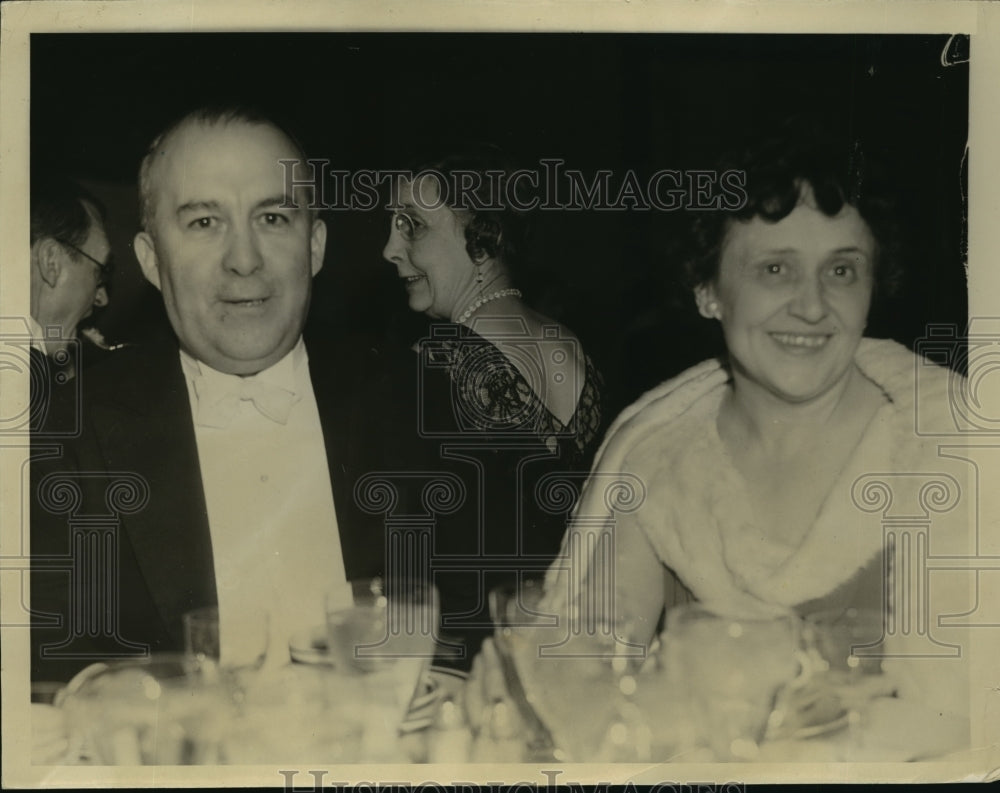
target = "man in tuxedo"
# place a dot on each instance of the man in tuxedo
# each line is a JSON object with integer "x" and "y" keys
{"x": 227, "y": 457}
{"x": 70, "y": 263}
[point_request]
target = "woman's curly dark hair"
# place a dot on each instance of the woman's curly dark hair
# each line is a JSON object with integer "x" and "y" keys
{"x": 777, "y": 168}
{"x": 495, "y": 226}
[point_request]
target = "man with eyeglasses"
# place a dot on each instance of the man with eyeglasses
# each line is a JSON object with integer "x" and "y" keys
{"x": 70, "y": 266}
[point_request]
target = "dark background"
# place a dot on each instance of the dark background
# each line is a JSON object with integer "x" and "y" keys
{"x": 645, "y": 102}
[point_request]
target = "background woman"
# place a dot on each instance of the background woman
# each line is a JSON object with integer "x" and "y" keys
{"x": 504, "y": 397}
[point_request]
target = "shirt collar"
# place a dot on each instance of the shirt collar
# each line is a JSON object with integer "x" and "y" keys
{"x": 37, "y": 334}
{"x": 287, "y": 372}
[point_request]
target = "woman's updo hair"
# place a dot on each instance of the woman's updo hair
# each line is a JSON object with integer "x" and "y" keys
{"x": 777, "y": 168}
{"x": 476, "y": 185}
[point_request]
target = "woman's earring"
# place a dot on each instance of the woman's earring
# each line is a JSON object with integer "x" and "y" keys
{"x": 479, "y": 275}
{"x": 713, "y": 308}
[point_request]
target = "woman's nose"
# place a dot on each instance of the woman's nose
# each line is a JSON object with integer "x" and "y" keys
{"x": 394, "y": 249}
{"x": 809, "y": 300}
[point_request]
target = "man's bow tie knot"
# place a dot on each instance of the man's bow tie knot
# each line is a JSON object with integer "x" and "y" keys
{"x": 219, "y": 399}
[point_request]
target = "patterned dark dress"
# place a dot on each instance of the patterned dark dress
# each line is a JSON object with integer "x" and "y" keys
{"x": 514, "y": 465}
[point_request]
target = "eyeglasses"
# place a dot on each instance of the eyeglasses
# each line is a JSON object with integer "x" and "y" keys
{"x": 408, "y": 227}
{"x": 105, "y": 268}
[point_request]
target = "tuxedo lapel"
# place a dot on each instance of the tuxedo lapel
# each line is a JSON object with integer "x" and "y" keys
{"x": 145, "y": 426}
{"x": 344, "y": 398}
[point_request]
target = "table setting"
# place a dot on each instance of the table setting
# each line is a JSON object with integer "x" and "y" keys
{"x": 721, "y": 688}
{"x": 367, "y": 687}
{"x": 353, "y": 690}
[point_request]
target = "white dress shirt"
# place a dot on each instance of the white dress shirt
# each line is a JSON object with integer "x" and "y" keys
{"x": 37, "y": 335}
{"x": 270, "y": 511}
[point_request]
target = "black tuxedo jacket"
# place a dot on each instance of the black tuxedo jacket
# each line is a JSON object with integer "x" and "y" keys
{"x": 119, "y": 527}
{"x": 49, "y": 376}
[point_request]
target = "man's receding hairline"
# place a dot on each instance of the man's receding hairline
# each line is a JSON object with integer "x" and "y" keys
{"x": 156, "y": 153}
{"x": 182, "y": 126}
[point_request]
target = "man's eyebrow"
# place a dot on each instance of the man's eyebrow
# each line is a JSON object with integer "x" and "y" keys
{"x": 851, "y": 249}
{"x": 280, "y": 201}
{"x": 198, "y": 206}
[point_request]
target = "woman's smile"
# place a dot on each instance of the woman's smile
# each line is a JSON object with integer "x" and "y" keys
{"x": 801, "y": 343}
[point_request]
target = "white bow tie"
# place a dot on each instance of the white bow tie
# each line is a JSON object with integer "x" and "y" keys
{"x": 219, "y": 398}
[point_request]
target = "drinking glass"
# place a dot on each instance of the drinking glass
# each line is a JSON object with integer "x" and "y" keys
{"x": 616, "y": 658}
{"x": 839, "y": 638}
{"x": 298, "y": 714}
{"x": 573, "y": 685}
{"x": 732, "y": 669}
{"x": 516, "y": 604}
{"x": 514, "y": 730}
{"x": 384, "y": 641}
{"x": 163, "y": 710}
{"x": 842, "y": 679}
{"x": 240, "y": 643}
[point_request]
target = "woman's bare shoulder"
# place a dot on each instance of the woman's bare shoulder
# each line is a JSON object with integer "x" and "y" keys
{"x": 553, "y": 334}
{"x": 562, "y": 361}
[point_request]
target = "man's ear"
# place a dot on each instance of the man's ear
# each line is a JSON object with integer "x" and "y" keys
{"x": 708, "y": 303}
{"x": 317, "y": 245}
{"x": 145, "y": 252}
{"x": 46, "y": 255}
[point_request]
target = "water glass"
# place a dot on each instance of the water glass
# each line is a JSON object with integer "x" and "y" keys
{"x": 839, "y": 679}
{"x": 839, "y": 639}
{"x": 384, "y": 642}
{"x": 163, "y": 710}
{"x": 388, "y": 626}
{"x": 517, "y": 605}
{"x": 238, "y": 643}
{"x": 298, "y": 714}
{"x": 578, "y": 685}
{"x": 732, "y": 669}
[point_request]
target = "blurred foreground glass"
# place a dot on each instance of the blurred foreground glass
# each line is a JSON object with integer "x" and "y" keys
{"x": 521, "y": 734}
{"x": 573, "y": 685}
{"x": 838, "y": 680}
{"x": 609, "y": 656}
{"x": 298, "y": 714}
{"x": 517, "y": 605}
{"x": 841, "y": 639}
{"x": 384, "y": 642}
{"x": 240, "y": 644}
{"x": 731, "y": 670}
{"x": 167, "y": 709}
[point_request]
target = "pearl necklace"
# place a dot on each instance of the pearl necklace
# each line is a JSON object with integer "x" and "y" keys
{"x": 484, "y": 299}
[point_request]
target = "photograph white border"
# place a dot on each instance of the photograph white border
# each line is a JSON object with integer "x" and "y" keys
{"x": 19, "y": 19}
